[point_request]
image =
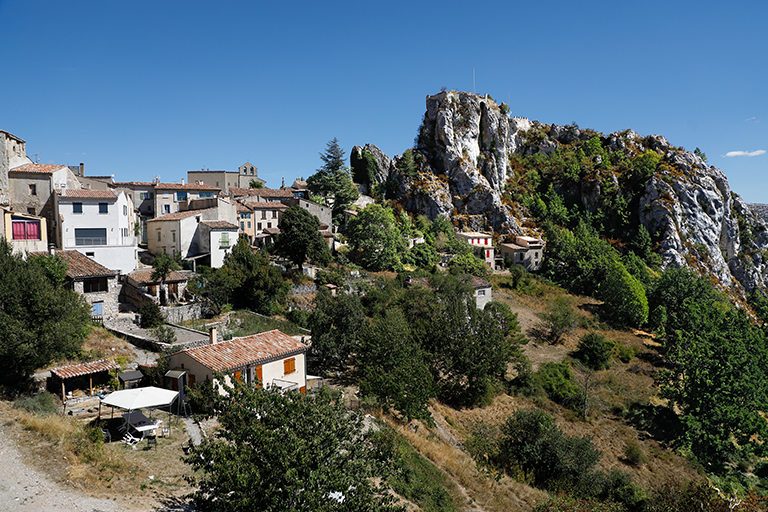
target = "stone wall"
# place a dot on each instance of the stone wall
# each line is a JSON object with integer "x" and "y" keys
{"x": 178, "y": 314}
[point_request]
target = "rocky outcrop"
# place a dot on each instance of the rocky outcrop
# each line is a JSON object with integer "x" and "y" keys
{"x": 461, "y": 165}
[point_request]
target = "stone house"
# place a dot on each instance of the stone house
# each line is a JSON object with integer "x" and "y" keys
{"x": 139, "y": 287}
{"x": 272, "y": 359}
{"x": 95, "y": 282}
{"x": 526, "y": 251}
{"x": 100, "y": 224}
{"x": 175, "y": 197}
{"x": 482, "y": 243}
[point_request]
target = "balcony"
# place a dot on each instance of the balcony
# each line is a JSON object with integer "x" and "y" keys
{"x": 113, "y": 241}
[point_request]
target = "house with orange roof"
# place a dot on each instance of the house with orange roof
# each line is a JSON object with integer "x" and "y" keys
{"x": 271, "y": 359}
{"x": 99, "y": 224}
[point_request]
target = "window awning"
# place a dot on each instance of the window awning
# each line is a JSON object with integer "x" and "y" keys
{"x": 175, "y": 374}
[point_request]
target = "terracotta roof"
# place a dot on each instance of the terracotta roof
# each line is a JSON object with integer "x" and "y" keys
{"x": 85, "y": 193}
{"x": 144, "y": 276}
{"x": 514, "y": 247}
{"x": 76, "y": 370}
{"x": 39, "y": 168}
{"x": 80, "y": 266}
{"x": 246, "y": 350}
{"x": 270, "y": 205}
{"x": 273, "y": 192}
{"x": 178, "y": 215}
{"x": 327, "y": 234}
{"x": 240, "y": 191}
{"x": 219, "y": 224}
{"x": 272, "y": 231}
{"x": 186, "y": 186}
{"x": 241, "y": 208}
{"x": 134, "y": 184}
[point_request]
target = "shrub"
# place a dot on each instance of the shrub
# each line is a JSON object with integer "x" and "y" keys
{"x": 624, "y": 297}
{"x": 625, "y": 353}
{"x": 634, "y": 454}
{"x": 556, "y": 379}
{"x": 594, "y": 351}
{"x": 42, "y": 404}
{"x": 558, "y": 320}
{"x": 164, "y": 334}
{"x": 150, "y": 315}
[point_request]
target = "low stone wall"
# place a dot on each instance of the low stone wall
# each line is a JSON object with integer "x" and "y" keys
{"x": 303, "y": 289}
{"x": 179, "y": 314}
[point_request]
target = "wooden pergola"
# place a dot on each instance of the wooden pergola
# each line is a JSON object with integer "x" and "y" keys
{"x": 81, "y": 370}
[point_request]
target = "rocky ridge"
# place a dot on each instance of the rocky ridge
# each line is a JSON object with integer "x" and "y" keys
{"x": 462, "y": 164}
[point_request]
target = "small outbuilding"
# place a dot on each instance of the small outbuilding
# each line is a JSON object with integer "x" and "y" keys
{"x": 81, "y": 376}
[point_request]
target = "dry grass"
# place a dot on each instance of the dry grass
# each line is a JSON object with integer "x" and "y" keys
{"x": 59, "y": 447}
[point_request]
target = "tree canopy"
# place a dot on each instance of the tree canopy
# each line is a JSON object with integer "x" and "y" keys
{"x": 279, "y": 452}
{"x": 300, "y": 238}
{"x": 333, "y": 178}
{"x": 375, "y": 239}
{"x": 40, "y": 319}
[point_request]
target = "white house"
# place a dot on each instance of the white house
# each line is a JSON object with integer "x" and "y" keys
{"x": 272, "y": 359}
{"x": 483, "y": 244}
{"x": 187, "y": 233}
{"x": 99, "y": 224}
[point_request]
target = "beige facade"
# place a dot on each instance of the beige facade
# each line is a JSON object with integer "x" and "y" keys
{"x": 25, "y": 233}
{"x": 176, "y": 197}
{"x": 525, "y": 251}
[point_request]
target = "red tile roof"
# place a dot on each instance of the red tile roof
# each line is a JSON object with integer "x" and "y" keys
{"x": 268, "y": 206}
{"x": 134, "y": 184}
{"x": 144, "y": 276}
{"x": 76, "y": 370}
{"x": 39, "y": 168}
{"x": 186, "y": 186}
{"x": 219, "y": 224}
{"x": 262, "y": 192}
{"x": 241, "y": 208}
{"x": 177, "y": 215}
{"x": 80, "y": 266}
{"x": 85, "y": 193}
{"x": 247, "y": 350}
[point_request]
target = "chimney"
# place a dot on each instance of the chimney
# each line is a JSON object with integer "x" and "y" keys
{"x": 212, "y": 336}
{"x": 82, "y": 169}
{"x": 182, "y": 181}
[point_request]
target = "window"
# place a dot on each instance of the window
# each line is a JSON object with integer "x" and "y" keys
{"x": 166, "y": 208}
{"x": 158, "y": 235}
{"x": 97, "y": 308}
{"x": 90, "y": 254}
{"x": 251, "y": 171}
{"x": 245, "y": 171}
{"x": 77, "y": 207}
{"x": 480, "y": 292}
{"x": 204, "y": 195}
{"x": 249, "y": 224}
{"x": 289, "y": 366}
{"x": 181, "y": 196}
{"x": 269, "y": 225}
{"x": 95, "y": 285}
{"x": 32, "y": 189}
{"x": 165, "y": 194}
{"x": 263, "y": 214}
{"x": 242, "y": 225}
{"x": 31, "y": 210}
{"x": 90, "y": 236}
{"x": 225, "y": 239}
{"x": 125, "y": 210}
{"x": 145, "y": 195}
{"x": 24, "y": 229}
{"x": 258, "y": 226}
{"x": 173, "y": 236}
{"x": 274, "y": 214}
{"x": 103, "y": 207}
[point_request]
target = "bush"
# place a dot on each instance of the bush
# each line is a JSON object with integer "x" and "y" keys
{"x": 556, "y": 379}
{"x": 150, "y": 315}
{"x": 594, "y": 351}
{"x": 634, "y": 454}
{"x": 558, "y": 320}
{"x": 624, "y": 297}
{"x": 625, "y": 353}
{"x": 42, "y": 404}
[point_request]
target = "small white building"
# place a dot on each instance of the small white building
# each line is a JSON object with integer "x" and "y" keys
{"x": 272, "y": 359}
{"x": 483, "y": 244}
{"x": 100, "y": 224}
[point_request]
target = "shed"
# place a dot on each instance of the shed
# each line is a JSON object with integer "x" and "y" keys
{"x": 131, "y": 378}
{"x": 78, "y": 374}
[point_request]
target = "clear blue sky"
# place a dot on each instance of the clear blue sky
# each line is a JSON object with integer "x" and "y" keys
{"x": 141, "y": 89}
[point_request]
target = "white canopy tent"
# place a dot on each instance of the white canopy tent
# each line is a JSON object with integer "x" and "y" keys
{"x": 149, "y": 397}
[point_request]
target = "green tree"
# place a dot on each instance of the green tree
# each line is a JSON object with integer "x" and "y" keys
{"x": 364, "y": 167}
{"x": 259, "y": 285}
{"x": 40, "y": 320}
{"x": 162, "y": 266}
{"x": 279, "y": 452}
{"x": 394, "y": 367}
{"x": 424, "y": 256}
{"x": 336, "y": 328}
{"x": 468, "y": 264}
{"x": 333, "y": 178}
{"x": 594, "y": 351}
{"x": 255, "y": 184}
{"x": 624, "y": 297}
{"x": 300, "y": 238}
{"x": 558, "y": 320}
{"x": 150, "y": 314}
{"x": 374, "y": 239}
{"x": 506, "y": 320}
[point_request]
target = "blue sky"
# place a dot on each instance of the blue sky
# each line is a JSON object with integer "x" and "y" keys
{"x": 142, "y": 89}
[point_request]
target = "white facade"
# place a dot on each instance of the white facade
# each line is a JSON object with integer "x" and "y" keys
{"x": 483, "y": 244}
{"x": 99, "y": 224}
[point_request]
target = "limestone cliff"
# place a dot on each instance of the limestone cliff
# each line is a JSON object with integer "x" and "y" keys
{"x": 461, "y": 167}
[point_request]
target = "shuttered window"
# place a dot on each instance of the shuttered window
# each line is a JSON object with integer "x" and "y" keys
{"x": 289, "y": 365}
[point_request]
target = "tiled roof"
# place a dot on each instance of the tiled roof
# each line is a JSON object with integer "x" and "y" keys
{"x": 241, "y": 208}
{"x": 38, "y": 168}
{"x": 186, "y": 186}
{"x": 84, "y": 193}
{"x": 514, "y": 247}
{"x": 144, "y": 276}
{"x": 219, "y": 224}
{"x": 475, "y": 234}
{"x": 80, "y": 266}
{"x": 327, "y": 234}
{"x": 240, "y": 191}
{"x": 177, "y": 215}
{"x": 134, "y": 184}
{"x": 272, "y": 231}
{"x": 268, "y": 206}
{"x": 247, "y": 350}
{"x": 273, "y": 192}
{"x": 76, "y": 370}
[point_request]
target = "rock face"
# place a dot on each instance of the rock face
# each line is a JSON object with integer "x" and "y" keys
{"x": 461, "y": 166}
